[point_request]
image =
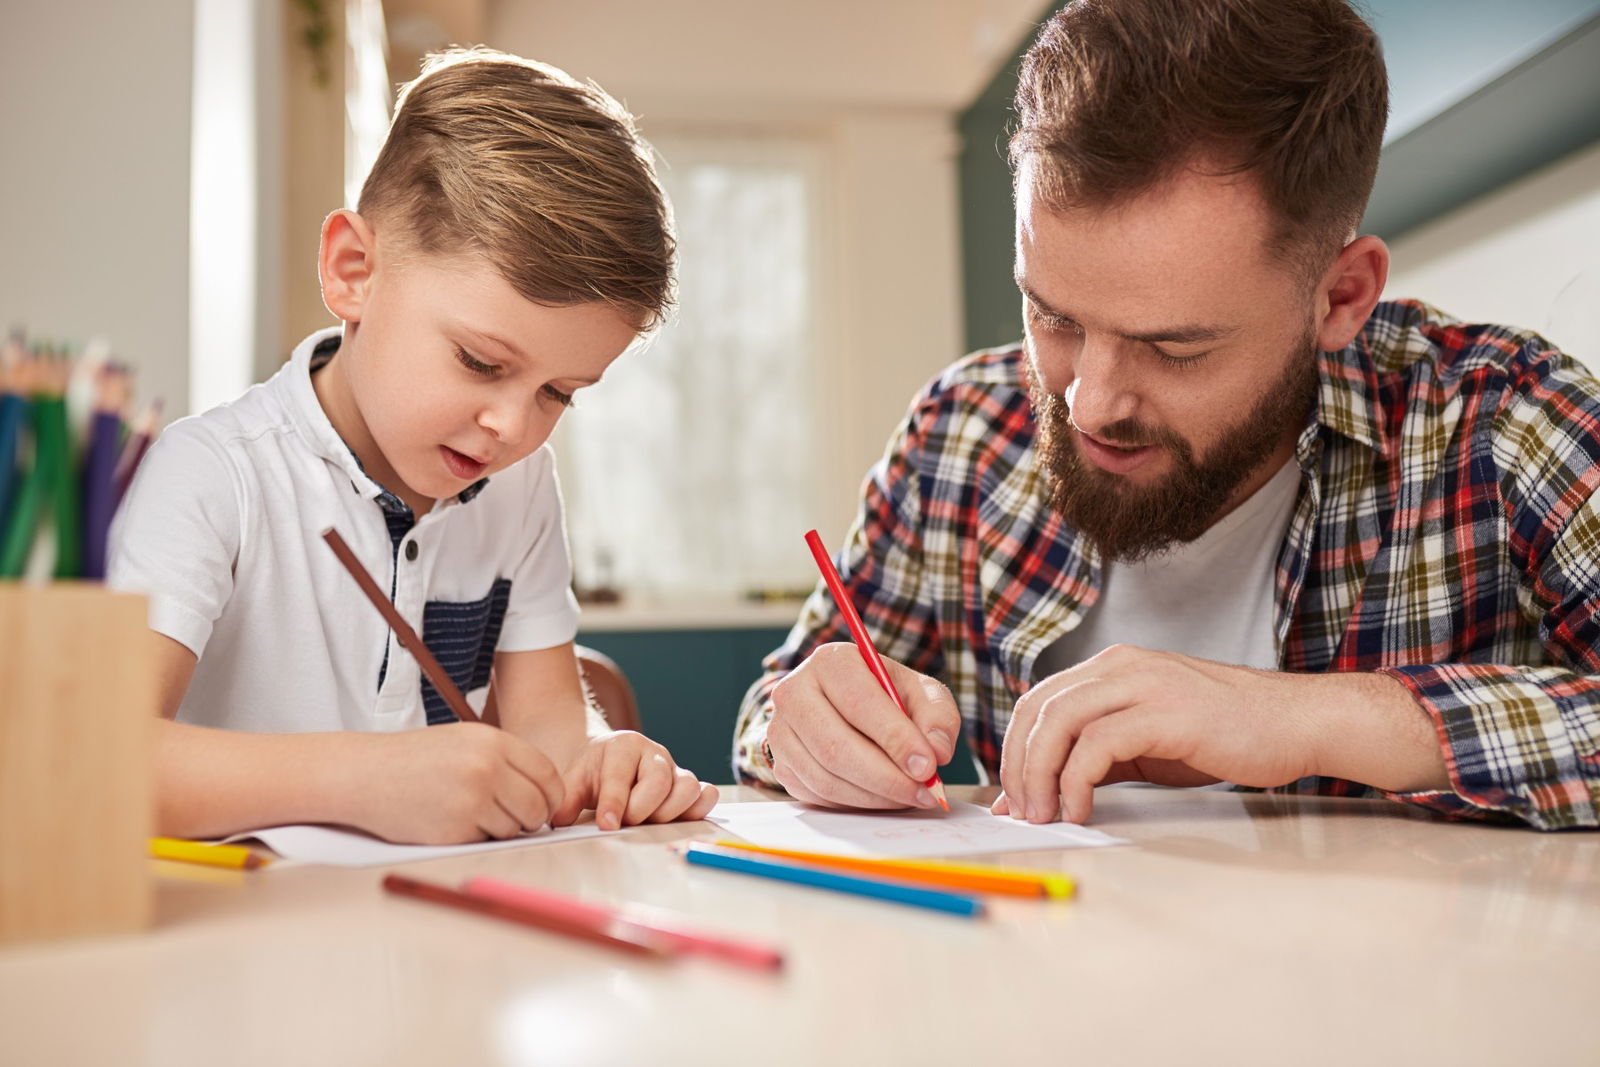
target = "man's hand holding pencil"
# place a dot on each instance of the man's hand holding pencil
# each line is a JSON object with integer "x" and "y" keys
{"x": 851, "y": 729}
{"x": 839, "y": 741}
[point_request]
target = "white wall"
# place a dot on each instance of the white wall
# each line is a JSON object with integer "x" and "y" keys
{"x": 896, "y": 284}
{"x": 94, "y": 188}
{"x": 1526, "y": 255}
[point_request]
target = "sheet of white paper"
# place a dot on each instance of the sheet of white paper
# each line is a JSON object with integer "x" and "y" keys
{"x": 968, "y": 830}
{"x": 350, "y": 848}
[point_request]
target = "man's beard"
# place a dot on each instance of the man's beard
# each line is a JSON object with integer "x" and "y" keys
{"x": 1128, "y": 522}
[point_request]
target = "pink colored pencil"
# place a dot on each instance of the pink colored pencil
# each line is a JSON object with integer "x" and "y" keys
{"x": 681, "y": 938}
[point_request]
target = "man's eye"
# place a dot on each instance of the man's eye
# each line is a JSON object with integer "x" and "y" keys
{"x": 1170, "y": 360}
{"x": 1055, "y": 323}
{"x": 476, "y": 366}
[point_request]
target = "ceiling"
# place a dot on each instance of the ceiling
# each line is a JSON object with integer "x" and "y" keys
{"x": 712, "y": 59}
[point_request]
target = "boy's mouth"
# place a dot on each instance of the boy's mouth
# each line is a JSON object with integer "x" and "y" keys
{"x": 462, "y": 465}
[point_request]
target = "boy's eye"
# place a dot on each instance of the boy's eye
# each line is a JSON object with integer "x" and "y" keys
{"x": 476, "y": 366}
{"x": 564, "y": 399}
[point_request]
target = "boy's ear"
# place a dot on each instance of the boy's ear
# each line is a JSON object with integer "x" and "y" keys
{"x": 345, "y": 263}
{"x": 1351, "y": 289}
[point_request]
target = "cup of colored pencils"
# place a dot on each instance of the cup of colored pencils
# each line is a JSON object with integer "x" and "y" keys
{"x": 69, "y": 447}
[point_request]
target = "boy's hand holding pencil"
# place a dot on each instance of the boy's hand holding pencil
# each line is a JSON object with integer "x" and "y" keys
{"x": 490, "y": 783}
{"x": 629, "y": 779}
{"x": 444, "y": 785}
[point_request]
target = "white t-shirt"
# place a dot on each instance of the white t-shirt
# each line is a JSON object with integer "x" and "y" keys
{"x": 222, "y": 529}
{"x": 1212, "y": 597}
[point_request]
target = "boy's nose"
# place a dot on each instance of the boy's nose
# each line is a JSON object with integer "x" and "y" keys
{"x": 507, "y": 423}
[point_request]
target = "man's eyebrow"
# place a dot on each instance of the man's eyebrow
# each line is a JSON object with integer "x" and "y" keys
{"x": 507, "y": 346}
{"x": 1186, "y": 334}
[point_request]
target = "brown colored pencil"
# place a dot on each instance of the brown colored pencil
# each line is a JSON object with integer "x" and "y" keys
{"x": 402, "y": 629}
{"x": 622, "y": 936}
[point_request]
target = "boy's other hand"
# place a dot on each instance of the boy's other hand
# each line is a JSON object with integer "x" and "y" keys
{"x": 445, "y": 785}
{"x": 837, "y": 740}
{"x": 629, "y": 779}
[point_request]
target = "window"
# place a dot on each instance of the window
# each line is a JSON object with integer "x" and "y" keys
{"x": 366, "y": 93}
{"x": 690, "y": 468}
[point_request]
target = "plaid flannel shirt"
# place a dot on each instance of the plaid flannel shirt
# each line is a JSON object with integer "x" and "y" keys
{"x": 1446, "y": 532}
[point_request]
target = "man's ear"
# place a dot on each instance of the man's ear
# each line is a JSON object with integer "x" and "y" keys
{"x": 345, "y": 263}
{"x": 1350, "y": 290}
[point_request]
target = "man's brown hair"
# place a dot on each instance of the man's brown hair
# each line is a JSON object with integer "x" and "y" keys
{"x": 543, "y": 175}
{"x": 1115, "y": 95}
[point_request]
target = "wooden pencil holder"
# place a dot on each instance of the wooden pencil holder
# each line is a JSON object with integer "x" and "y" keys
{"x": 77, "y": 708}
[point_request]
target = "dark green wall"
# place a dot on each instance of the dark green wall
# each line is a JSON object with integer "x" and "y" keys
{"x": 689, "y": 684}
{"x": 993, "y": 308}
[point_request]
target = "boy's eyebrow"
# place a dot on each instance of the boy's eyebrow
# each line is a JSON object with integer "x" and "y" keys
{"x": 1186, "y": 334}
{"x": 511, "y": 348}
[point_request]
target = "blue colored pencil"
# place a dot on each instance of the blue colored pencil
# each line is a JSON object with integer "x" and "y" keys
{"x": 13, "y": 416}
{"x": 16, "y": 382}
{"x": 880, "y": 888}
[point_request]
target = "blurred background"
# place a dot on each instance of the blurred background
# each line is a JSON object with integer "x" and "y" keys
{"x": 844, "y": 213}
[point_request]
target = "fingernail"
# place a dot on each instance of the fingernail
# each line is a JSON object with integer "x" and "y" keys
{"x": 919, "y": 767}
{"x": 925, "y": 799}
{"x": 610, "y": 821}
{"x": 939, "y": 739}
{"x": 1033, "y": 814}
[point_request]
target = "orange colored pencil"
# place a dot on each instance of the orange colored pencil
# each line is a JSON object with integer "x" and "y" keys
{"x": 864, "y": 645}
{"x": 969, "y": 876}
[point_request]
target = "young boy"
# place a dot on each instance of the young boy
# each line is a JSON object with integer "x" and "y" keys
{"x": 510, "y": 243}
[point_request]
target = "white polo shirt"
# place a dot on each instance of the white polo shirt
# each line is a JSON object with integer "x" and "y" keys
{"x": 222, "y": 529}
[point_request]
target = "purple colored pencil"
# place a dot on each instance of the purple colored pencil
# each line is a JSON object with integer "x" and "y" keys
{"x": 133, "y": 450}
{"x": 99, "y": 490}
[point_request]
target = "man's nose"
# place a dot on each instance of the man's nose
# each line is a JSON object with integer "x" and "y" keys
{"x": 1099, "y": 394}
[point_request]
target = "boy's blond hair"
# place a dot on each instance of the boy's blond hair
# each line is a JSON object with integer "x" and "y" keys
{"x": 544, "y": 175}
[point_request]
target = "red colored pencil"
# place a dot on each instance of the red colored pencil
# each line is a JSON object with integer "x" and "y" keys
{"x": 683, "y": 938}
{"x": 864, "y": 645}
{"x": 617, "y": 935}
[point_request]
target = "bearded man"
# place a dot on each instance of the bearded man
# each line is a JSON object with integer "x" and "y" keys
{"x": 1223, "y": 516}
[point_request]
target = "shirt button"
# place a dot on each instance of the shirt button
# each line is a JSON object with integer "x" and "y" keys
{"x": 411, "y": 551}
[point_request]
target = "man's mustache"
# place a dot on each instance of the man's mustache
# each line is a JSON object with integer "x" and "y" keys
{"x": 1129, "y": 432}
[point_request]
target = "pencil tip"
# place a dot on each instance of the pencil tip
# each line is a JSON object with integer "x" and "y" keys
{"x": 938, "y": 794}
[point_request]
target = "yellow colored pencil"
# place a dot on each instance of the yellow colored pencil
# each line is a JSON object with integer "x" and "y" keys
{"x": 172, "y": 848}
{"x": 973, "y": 876}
